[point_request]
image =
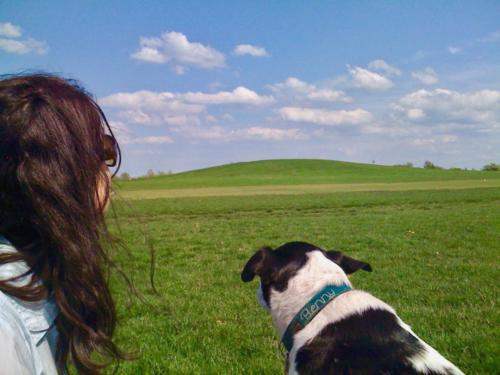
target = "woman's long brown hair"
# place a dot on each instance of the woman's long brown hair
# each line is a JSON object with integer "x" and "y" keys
{"x": 51, "y": 162}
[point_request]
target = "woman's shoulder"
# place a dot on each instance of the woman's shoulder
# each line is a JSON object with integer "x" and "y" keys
{"x": 23, "y": 325}
{"x": 17, "y": 354}
{"x": 37, "y": 317}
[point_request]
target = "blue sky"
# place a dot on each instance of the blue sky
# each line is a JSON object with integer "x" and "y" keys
{"x": 189, "y": 84}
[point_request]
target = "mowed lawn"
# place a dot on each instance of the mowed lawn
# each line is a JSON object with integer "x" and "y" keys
{"x": 435, "y": 255}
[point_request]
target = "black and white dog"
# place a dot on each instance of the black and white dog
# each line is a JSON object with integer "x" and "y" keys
{"x": 330, "y": 328}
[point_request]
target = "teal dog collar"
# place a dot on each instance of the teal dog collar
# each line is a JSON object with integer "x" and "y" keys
{"x": 310, "y": 310}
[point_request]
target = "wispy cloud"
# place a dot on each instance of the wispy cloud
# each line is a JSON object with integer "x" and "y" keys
{"x": 218, "y": 133}
{"x": 156, "y": 140}
{"x": 383, "y": 66}
{"x": 427, "y": 76}
{"x": 272, "y": 134}
{"x": 304, "y": 90}
{"x": 493, "y": 37}
{"x": 368, "y": 80}
{"x": 454, "y": 50}
{"x": 248, "y": 49}
{"x": 325, "y": 117}
{"x": 127, "y": 137}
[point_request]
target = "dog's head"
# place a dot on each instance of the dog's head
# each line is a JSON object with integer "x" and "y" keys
{"x": 299, "y": 264}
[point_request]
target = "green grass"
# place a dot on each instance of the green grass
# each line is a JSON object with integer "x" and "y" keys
{"x": 298, "y": 172}
{"x": 306, "y": 189}
{"x": 435, "y": 256}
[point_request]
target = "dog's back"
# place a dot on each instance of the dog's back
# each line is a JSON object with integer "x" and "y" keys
{"x": 374, "y": 341}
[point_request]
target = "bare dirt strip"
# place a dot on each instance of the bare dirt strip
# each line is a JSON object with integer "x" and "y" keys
{"x": 306, "y": 189}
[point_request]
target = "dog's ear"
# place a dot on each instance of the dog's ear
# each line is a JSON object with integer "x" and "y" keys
{"x": 348, "y": 264}
{"x": 258, "y": 264}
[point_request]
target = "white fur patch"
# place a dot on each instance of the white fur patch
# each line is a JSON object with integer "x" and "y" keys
{"x": 430, "y": 359}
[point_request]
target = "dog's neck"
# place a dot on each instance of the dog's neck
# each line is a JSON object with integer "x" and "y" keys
{"x": 317, "y": 273}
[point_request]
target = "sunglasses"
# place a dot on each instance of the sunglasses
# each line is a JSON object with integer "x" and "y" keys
{"x": 110, "y": 151}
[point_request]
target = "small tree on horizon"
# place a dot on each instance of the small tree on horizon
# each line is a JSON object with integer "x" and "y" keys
{"x": 430, "y": 165}
{"x": 491, "y": 167}
{"x": 124, "y": 176}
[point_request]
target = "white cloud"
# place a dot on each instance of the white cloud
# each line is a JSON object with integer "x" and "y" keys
{"x": 151, "y": 101}
{"x": 184, "y": 113}
{"x": 10, "y": 30}
{"x": 292, "y": 84}
{"x": 211, "y": 133}
{"x": 271, "y": 134}
{"x": 478, "y": 108}
{"x": 155, "y": 140}
{"x": 328, "y": 96}
{"x": 415, "y": 113}
{"x": 176, "y": 48}
{"x": 454, "y": 50}
{"x": 121, "y": 131}
{"x": 240, "y": 95}
{"x": 149, "y": 54}
{"x": 22, "y": 47}
{"x": 154, "y": 108}
{"x": 126, "y": 137}
{"x": 427, "y": 76}
{"x": 366, "y": 79}
{"x": 308, "y": 91}
{"x": 386, "y": 129}
{"x": 189, "y": 102}
{"x": 139, "y": 117}
{"x": 325, "y": 117}
{"x": 11, "y": 44}
{"x": 443, "y": 139}
{"x": 221, "y": 134}
{"x": 381, "y": 65}
{"x": 248, "y": 49}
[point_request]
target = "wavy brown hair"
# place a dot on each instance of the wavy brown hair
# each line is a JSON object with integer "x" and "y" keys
{"x": 52, "y": 153}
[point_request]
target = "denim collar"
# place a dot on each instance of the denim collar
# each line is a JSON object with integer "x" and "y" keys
{"x": 317, "y": 303}
{"x": 39, "y": 316}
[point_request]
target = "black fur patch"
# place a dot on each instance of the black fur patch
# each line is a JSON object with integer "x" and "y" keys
{"x": 368, "y": 343}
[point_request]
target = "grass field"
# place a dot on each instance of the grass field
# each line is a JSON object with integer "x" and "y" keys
{"x": 299, "y": 172}
{"x": 435, "y": 255}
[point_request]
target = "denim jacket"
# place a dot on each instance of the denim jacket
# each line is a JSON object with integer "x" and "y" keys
{"x": 28, "y": 334}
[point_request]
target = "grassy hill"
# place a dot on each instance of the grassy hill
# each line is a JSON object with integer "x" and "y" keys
{"x": 297, "y": 172}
